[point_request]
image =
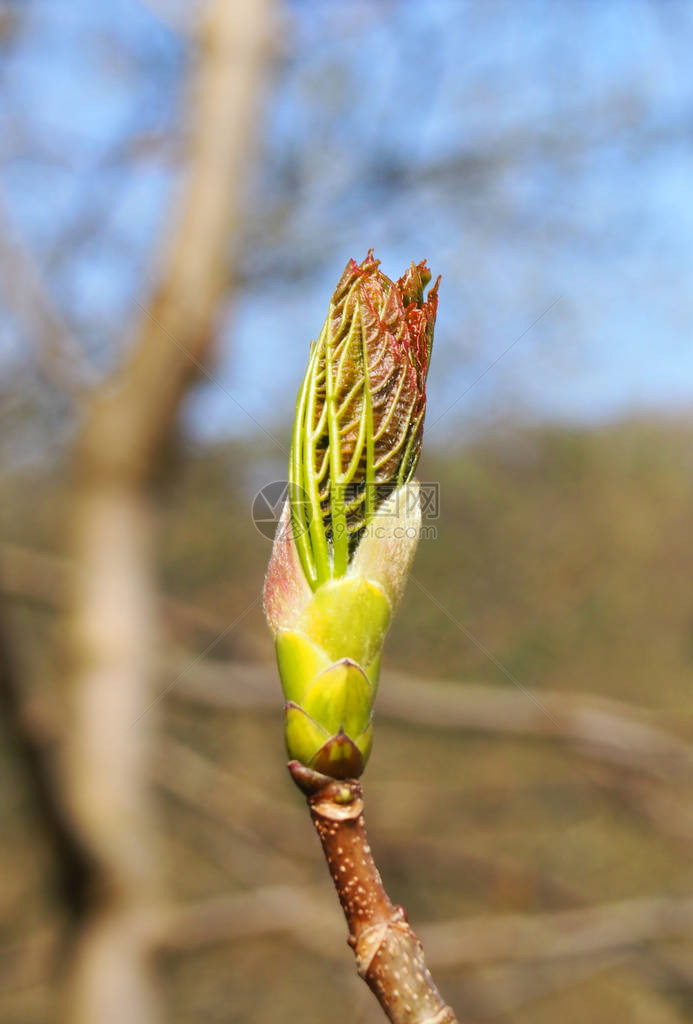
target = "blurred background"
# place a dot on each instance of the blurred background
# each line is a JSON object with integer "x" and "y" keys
{"x": 180, "y": 187}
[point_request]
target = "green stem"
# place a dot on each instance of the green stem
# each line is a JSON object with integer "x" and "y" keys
{"x": 297, "y": 493}
{"x": 340, "y": 539}
{"x": 311, "y": 486}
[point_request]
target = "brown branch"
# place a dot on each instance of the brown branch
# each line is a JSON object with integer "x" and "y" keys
{"x": 666, "y": 809}
{"x": 254, "y": 815}
{"x": 389, "y": 957}
{"x": 459, "y": 944}
{"x": 301, "y": 911}
{"x": 255, "y": 821}
{"x": 599, "y": 729}
{"x": 508, "y": 960}
{"x": 608, "y": 732}
{"x": 587, "y": 937}
{"x": 42, "y": 579}
{"x": 492, "y": 993}
{"x": 559, "y": 935}
{"x": 73, "y": 862}
{"x": 113, "y": 621}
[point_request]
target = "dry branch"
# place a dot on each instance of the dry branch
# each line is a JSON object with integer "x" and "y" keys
{"x": 256, "y": 817}
{"x": 586, "y": 932}
{"x": 598, "y": 729}
{"x": 113, "y": 620}
{"x": 301, "y": 911}
{"x": 266, "y": 827}
{"x": 59, "y": 355}
{"x": 73, "y": 860}
{"x": 590, "y": 937}
{"x": 608, "y": 732}
{"x": 494, "y": 992}
{"x": 41, "y": 579}
{"x": 566, "y": 934}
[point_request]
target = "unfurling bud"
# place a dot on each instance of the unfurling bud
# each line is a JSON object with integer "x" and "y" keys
{"x": 349, "y": 531}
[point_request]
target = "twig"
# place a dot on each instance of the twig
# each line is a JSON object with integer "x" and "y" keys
{"x": 494, "y": 992}
{"x": 608, "y": 732}
{"x": 60, "y": 355}
{"x": 460, "y": 944}
{"x": 603, "y": 730}
{"x": 73, "y": 862}
{"x": 267, "y": 910}
{"x": 42, "y": 579}
{"x": 587, "y": 931}
{"x": 524, "y": 942}
{"x": 389, "y": 957}
{"x": 270, "y": 831}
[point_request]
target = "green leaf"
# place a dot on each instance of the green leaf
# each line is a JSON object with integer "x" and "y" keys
{"x": 340, "y": 697}
{"x": 348, "y": 618}
{"x": 373, "y": 672}
{"x": 304, "y": 737}
{"x": 365, "y": 741}
{"x": 299, "y": 661}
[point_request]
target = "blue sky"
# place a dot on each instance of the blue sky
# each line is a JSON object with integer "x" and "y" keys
{"x": 535, "y": 153}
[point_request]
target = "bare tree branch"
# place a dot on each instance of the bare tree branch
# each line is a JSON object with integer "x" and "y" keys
{"x": 469, "y": 942}
{"x": 73, "y": 860}
{"x": 498, "y": 992}
{"x": 608, "y": 732}
{"x": 270, "y": 910}
{"x": 557, "y": 936}
{"x": 515, "y": 959}
{"x": 599, "y": 729}
{"x": 43, "y": 579}
{"x": 113, "y": 620}
{"x": 60, "y": 356}
{"x": 272, "y": 831}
